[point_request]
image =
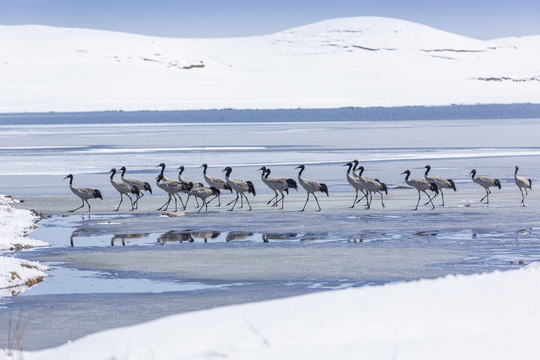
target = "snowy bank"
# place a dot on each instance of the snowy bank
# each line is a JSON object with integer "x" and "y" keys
{"x": 483, "y": 316}
{"x": 15, "y": 274}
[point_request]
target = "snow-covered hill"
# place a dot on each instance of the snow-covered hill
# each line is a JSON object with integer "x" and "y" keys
{"x": 362, "y": 61}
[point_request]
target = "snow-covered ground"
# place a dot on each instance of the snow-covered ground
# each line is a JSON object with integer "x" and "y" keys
{"x": 485, "y": 316}
{"x": 361, "y": 61}
{"x": 17, "y": 275}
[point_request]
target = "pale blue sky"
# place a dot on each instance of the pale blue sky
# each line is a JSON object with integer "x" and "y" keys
{"x": 485, "y": 19}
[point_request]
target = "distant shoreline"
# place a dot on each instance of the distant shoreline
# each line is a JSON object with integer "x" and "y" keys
{"x": 451, "y": 112}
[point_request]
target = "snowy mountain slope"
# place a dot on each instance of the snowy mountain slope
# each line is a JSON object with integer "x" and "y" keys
{"x": 363, "y": 61}
{"x": 523, "y": 42}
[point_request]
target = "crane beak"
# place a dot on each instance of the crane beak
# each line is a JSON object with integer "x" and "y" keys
{"x": 66, "y": 177}
{"x": 403, "y": 173}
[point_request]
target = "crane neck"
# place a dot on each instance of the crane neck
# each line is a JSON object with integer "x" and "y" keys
{"x": 301, "y": 171}
{"x": 427, "y": 171}
{"x": 112, "y": 174}
{"x": 123, "y": 172}
{"x": 350, "y": 167}
{"x": 228, "y": 172}
{"x": 204, "y": 169}
{"x": 267, "y": 173}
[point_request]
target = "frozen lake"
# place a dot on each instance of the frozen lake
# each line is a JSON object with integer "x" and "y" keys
{"x": 112, "y": 269}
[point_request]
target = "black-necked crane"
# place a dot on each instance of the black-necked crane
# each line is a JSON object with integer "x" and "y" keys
{"x": 364, "y": 191}
{"x": 172, "y": 188}
{"x": 421, "y": 185}
{"x": 203, "y": 193}
{"x": 163, "y": 166}
{"x": 123, "y": 189}
{"x": 240, "y": 187}
{"x": 277, "y": 185}
{"x": 187, "y": 182}
{"x": 83, "y": 193}
{"x": 442, "y": 183}
{"x": 372, "y": 186}
{"x": 353, "y": 180}
{"x": 486, "y": 182}
{"x": 140, "y": 185}
{"x": 311, "y": 187}
{"x": 522, "y": 183}
{"x": 215, "y": 182}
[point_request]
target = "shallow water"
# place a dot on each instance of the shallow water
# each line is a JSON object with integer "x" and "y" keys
{"x": 113, "y": 269}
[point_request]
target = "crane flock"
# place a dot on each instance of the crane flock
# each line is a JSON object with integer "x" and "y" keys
{"x": 366, "y": 185}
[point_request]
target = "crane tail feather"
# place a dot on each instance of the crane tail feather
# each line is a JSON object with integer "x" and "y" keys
{"x": 147, "y": 187}
{"x": 251, "y": 188}
{"x": 97, "y": 194}
{"x": 291, "y": 184}
{"x": 323, "y": 188}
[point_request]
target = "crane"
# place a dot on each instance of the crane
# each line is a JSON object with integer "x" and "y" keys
{"x": 277, "y": 184}
{"x": 83, "y": 193}
{"x": 202, "y": 193}
{"x": 123, "y": 189}
{"x": 215, "y": 182}
{"x": 171, "y": 187}
{"x": 354, "y": 181}
{"x": 310, "y": 186}
{"x": 522, "y": 183}
{"x": 486, "y": 182}
{"x": 421, "y": 185}
{"x": 372, "y": 185}
{"x": 240, "y": 187}
{"x": 442, "y": 183}
{"x": 140, "y": 185}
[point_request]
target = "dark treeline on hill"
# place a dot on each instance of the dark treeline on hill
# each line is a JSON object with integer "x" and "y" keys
{"x": 452, "y": 112}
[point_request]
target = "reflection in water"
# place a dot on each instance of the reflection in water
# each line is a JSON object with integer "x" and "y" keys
{"x": 237, "y": 235}
{"x": 314, "y": 236}
{"x": 87, "y": 233}
{"x": 123, "y": 237}
{"x": 79, "y": 233}
{"x": 173, "y": 236}
{"x": 206, "y": 235}
{"x": 273, "y": 236}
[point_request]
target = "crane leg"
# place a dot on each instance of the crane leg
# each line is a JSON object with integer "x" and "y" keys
{"x": 416, "y": 208}
{"x": 523, "y": 197}
{"x": 355, "y": 198}
{"x": 121, "y": 199}
{"x": 241, "y": 201}
{"x": 185, "y": 204}
{"x": 317, "y": 202}
{"x": 282, "y": 200}
{"x": 382, "y": 202}
{"x": 430, "y": 200}
{"x": 442, "y": 196}
{"x": 78, "y": 207}
{"x": 370, "y": 199}
{"x": 234, "y": 201}
{"x": 136, "y": 202}
{"x": 131, "y": 201}
{"x": 88, "y": 205}
{"x": 247, "y": 201}
{"x": 166, "y": 205}
{"x": 305, "y": 203}
{"x": 365, "y": 196}
{"x": 487, "y": 196}
{"x": 275, "y": 197}
{"x": 179, "y": 198}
